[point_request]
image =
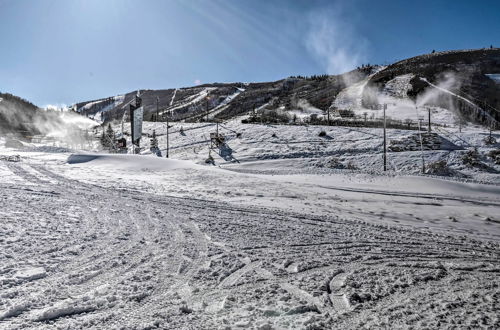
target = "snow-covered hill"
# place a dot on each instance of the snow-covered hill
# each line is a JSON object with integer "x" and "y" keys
{"x": 456, "y": 85}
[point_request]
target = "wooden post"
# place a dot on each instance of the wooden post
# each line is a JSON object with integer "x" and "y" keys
{"x": 157, "y": 101}
{"x": 420, "y": 119}
{"x": 429, "y": 109}
{"x": 207, "y": 108}
{"x": 385, "y": 140}
{"x": 167, "y": 135}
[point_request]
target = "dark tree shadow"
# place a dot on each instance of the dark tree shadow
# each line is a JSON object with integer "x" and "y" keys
{"x": 226, "y": 153}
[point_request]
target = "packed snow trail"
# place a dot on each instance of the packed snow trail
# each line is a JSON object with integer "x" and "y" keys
{"x": 173, "y": 97}
{"x": 222, "y": 106}
{"x": 78, "y": 255}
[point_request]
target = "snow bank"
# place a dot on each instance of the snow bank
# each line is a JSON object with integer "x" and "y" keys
{"x": 48, "y": 149}
{"x": 31, "y": 274}
{"x": 412, "y": 185}
{"x": 130, "y": 162}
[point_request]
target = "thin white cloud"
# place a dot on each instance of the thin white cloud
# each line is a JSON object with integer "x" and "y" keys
{"x": 334, "y": 42}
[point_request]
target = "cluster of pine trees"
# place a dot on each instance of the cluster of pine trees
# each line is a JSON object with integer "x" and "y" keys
{"x": 313, "y": 77}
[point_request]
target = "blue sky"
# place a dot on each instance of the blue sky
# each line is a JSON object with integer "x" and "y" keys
{"x": 64, "y": 51}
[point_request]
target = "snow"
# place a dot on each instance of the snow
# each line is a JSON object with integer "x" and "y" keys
{"x": 30, "y": 274}
{"x": 474, "y": 106}
{"x": 275, "y": 236}
{"x": 494, "y": 76}
{"x": 129, "y": 162}
{"x": 173, "y": 97}
{"x": 395, "y": 96}
{"x": 117, "y": 100}
{"x": 223, "y": 105}
{"x": 196, "y": 98}
{"x": 350, "y": 97}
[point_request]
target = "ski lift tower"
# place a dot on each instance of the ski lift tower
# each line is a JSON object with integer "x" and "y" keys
{"x": 216, "y": 139}
{"x": 136, "y": 117}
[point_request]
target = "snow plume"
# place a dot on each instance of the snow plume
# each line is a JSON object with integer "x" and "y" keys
{"x": 334, "y": 42}
{"x": 438, "y": 95}
{"x": 305, "y": 106}
{"x": 63, "y": 125}
{"x": 19, "y": 117}
{"x": 56, "y": 107}
{"x": 445, "y": 93}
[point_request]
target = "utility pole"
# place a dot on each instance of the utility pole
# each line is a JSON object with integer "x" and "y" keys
{"x": 328, "y": 112}
{"x": 385, "y": 140}
{"x": 420, "y": 119}
{"x": 429, "y": 109}
{"x": 207, "y": 107}
{"x": 168, "y": 146}
{"x": 123, "y": 124}
{"x": 157, "y": 101}
{"x": 217, "y": 130}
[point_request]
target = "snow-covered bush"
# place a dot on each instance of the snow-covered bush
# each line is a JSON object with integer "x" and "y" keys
{"x": 351, "y": 165}
{"x": 495, "y": 156}
{"x": 471, "y": 158}
{"x": 439, "y": 167}
{"x": 334, "y": 162}
{"x": 490, "y": 140}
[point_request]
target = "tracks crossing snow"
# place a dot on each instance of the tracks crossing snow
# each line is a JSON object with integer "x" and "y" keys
{"x": 123, "y": 258}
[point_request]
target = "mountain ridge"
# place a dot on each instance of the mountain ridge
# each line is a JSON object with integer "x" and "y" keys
{"x": 469, "y": 67}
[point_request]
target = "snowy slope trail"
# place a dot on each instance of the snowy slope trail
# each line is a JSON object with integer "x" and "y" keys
{"x": 81, "y": 255}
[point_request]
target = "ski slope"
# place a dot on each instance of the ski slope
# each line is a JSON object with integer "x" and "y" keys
{"x": 191, "y": 100}
{"x": 223, "y": 105}
{"x": 394, "y": 94}
{"x": 117, "y": 100}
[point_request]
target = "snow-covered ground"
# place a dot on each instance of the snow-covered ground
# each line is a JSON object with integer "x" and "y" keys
{"x": 395, "y": 96}
{"x": 274, "y": 236}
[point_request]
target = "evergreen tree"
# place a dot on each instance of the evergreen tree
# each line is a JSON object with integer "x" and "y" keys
{"x": 154, "y": 141}
{"x": 104, "y": 140}
{"x": 108, "y": 138}
{"x": 154, "y": 145}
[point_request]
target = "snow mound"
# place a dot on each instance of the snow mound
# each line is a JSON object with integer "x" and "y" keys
{"x": 31, "y": 274}
{"x": 130, "y": 162}
{"x": 48, "y": 149}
